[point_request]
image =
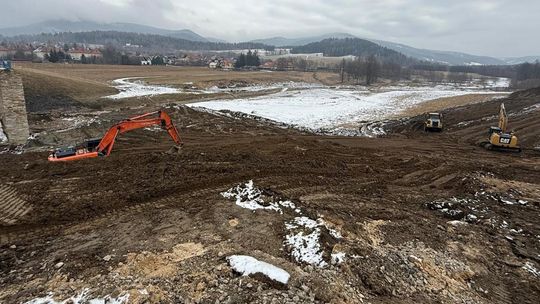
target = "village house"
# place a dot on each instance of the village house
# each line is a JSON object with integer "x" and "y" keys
{"x": 269, "y": 65}
{"x": 146, "y": 61}
{"x": 5, "y": 52}
{"x": 40, "y": 53}
{"x": 227, "y": 64}
{"x": 77, "y": 54}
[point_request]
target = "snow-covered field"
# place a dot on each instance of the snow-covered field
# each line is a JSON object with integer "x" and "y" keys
{"x": 130, "y": 87}
{"x": 319, "y": 107}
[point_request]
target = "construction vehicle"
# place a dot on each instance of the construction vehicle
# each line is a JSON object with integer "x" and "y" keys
{"x": 433, "y": 122}
{"x": 5, "y": 65}
{"x": 499, "y": 138}
{"x": 103, "y": 146}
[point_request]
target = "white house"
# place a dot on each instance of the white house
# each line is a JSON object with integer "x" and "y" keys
{"x": 40, "y": 53}
{"x": 146, "y": 61}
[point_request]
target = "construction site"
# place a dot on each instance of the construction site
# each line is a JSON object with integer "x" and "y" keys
{"x": 211, "y": 198}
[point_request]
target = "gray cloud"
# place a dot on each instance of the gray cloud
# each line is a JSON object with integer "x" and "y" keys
{"x": 490, "y": 27}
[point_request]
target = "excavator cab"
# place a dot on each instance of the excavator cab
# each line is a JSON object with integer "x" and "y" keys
{"x": 89, "y": 145}
{"x": 65, "y": 152}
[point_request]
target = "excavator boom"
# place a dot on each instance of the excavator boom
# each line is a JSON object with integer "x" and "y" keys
{"x": 503, "y": 118}
{"x": 93, "y": 149}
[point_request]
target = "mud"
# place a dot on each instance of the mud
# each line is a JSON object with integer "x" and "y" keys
{"x": 422, "y": 217}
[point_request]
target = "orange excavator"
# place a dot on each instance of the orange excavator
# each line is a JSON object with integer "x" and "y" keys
{"x": 103, "y": 146}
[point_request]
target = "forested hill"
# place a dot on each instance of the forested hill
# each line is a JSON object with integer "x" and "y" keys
{"x": 147, "y": 41}
{"x": 356, "y": 47}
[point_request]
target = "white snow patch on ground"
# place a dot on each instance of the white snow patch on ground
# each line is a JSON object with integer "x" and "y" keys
{"x": 3, "y": 137}
{"x": 81, "y": 298}
{"x": 530, "y": 268}
{"x": 337, "y": 258}
{"x": 129, "y": 87}
{"x": 303, "y": 240}
{"x": 249, "y": 197}
{"x": 283, "y": 86}
{"x": 247, "y": 265}
{"x": 325, "y": 107}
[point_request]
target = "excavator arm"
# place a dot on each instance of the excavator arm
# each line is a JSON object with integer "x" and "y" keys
{"x": 106, "y": 144}
{"x": 503, "y": 118}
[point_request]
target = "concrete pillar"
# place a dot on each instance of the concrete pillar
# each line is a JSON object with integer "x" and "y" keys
{"x": 13, "y": 108}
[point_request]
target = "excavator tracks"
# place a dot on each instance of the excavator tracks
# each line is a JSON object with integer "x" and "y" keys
{"x": 12, "y": 206}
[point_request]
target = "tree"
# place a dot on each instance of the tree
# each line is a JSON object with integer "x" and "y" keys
{"x": 19, "y": 54}
{"x": 52, "y": 56}
{"x": 240, "y": 61}
{"x": 372, "y": 70}
{"x": 300, "y": 64}
{"x": 83, "y": 59}
{"x": 342, "y": 70}
{"x": 158, "y": 60}
{"x": 282, "y": 64}
{"x": 111, "y": 55}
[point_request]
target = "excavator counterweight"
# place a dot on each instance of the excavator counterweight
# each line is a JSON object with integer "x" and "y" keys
{"x": 103, "y": 146}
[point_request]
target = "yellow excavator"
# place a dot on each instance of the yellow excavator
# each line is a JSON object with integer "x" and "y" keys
{"x": 499, "y": 138}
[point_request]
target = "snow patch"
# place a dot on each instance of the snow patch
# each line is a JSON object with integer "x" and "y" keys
{"x": 3, "y": 136}
{"x": 328, "y": 107}
{"x": 247, "y": 265}
{"x": 530, "y": 268}
{"x": 303, "y": 239}
{"x": 249, "y": 197}
{"x": 138, "y": 88}
{"x": 337, "y": 258}
{"x": 81, "y": 298}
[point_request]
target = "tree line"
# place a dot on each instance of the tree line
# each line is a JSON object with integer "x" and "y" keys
{"x": 527, "y": 75}
{"x": 148, "y": 42}
{"x": 251, "y": 59}
{"x": 335, "y": 47}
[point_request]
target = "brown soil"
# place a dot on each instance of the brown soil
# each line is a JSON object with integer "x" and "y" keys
{"x": 154, "y": 224}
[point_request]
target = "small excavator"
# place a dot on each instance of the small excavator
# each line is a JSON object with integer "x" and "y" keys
{"x": 103, "y": 146}
{"x": 499, "y": 138}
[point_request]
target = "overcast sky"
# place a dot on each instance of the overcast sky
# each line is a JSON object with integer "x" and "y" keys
{"x": 483, "y": 27}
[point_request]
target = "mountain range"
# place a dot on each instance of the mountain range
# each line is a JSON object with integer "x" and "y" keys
{"x": 59, "y": 26}
{"x": 443, "y": 57}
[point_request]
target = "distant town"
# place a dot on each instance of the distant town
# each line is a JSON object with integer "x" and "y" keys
{"x": 131, "y": 54}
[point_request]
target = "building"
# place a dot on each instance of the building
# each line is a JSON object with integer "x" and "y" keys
{"x": 227, "y": 64}
{"x": 269, "y": 65}
{"x": 77, "y": 54}
{"x": 146, "y": 61}
{"x": 5, "y": 52}
{"x": 40, "y": 53}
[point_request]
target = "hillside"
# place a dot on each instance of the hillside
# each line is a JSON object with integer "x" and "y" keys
{"x": 59, "y": 26}
{"x": 283, "y": 41}
{"x": 352, "y": 46}
{"x": 445, "y": 57}
{"x": 147, "y": 41}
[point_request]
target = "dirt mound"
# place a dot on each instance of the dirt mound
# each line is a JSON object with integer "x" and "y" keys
{"x": 417, "y": 217}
